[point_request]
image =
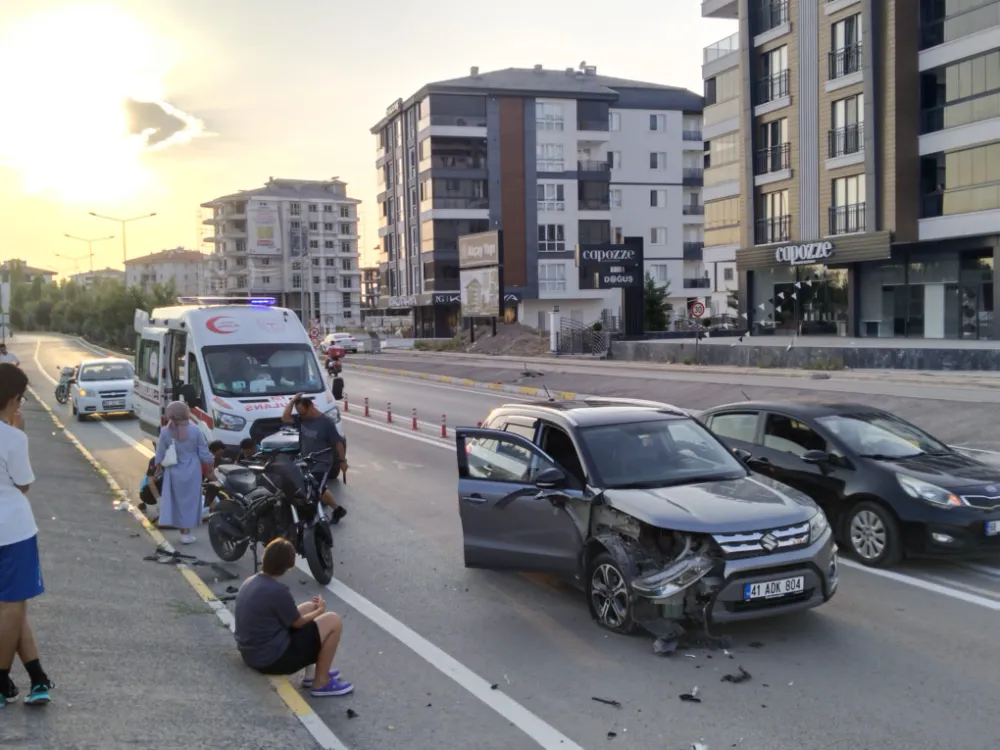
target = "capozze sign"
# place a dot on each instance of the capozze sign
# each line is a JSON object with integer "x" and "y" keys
{"x": 800, "y": 255}
{"x": 608, "y": 255}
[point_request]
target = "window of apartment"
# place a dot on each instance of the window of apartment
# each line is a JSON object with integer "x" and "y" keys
{"x": 552, "y": 277}
{"x": 328, "y": 244}
{"x": 961, "y": 93}
{"x": 295, "y": 209}
{"x": 345, "y": 301}
{"x": 241, "y": 246}
{"x": 847, "y": 126}
{"x": 774, "y": 153}
{"x": 615, "y": 159}
{"x": 414, "y": 279}
{"x": 313, "y": 208}
{"x": 550, "y": 157}
{"x": 347, "y": 229}
{"x": 848, "y": 211}
{"x": 551, "y": 238}
{"x": 660, "y": 273}
{"x": 265, "y": 279}
{"x": 327, "y": 208}
{"x": 711, "y": 93}
{"x": 296, "y": 281}
{"x": 345, "y": 212}
{"x": 723, "y": 87}
{"x": 329, "y": 261}
{"x": 241, "y": 262}
{"x": 327, "y": 226}
{"x": 725, "y": 149}
{"x": 551, "y": 196}
{"x": 315, "y": 279}
{"x": 315, "y": 261}
{"x": 332, "y": 280}
{"x": 241, "y": 282}
{"x": 313, "y": 226}
{"x": 774, "y": 224}
{"x": 846, "y": 33}
{"x": 657, "y": 198}
{"x": 345, "y": 264}
{"x": 774, "y": 75}
{"x": 264, "y": 261}
{"x": 314, "y": 244}
{"x": 615, "y": 197}
{"x": 658, "y": 123}
{"x": 549, "y": 116}
{"x": 346, "y": 282}
{"x": 295, "y": 225}
{"x": 345, "y": 247}
{"x": 658, "y": 160}
{"x": 728, "y": 274}
{"x": 658, "y": 236}
{"x": 614, "y": 121}
{"x": 845, "y": 39}
{"x": 725, "y": 213}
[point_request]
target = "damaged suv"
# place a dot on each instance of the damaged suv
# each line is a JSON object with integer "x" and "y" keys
{"x": 642, "y": 507}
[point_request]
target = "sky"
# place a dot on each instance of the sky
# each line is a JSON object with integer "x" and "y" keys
{"x": 129, "y": 107}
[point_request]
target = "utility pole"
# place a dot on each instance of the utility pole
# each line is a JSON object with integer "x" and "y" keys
{"x": 90, "y": 253}
{"x": 122, "y": 222}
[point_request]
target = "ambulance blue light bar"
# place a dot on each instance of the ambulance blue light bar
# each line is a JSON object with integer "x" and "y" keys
{"x": 246, "y": 301}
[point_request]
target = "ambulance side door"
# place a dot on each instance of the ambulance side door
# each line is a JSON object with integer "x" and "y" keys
{"x": 151, "y": 390}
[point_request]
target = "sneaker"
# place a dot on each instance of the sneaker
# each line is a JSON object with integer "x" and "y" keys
{"x": 39, "y": 696}
{"x": 332, "y": 688}
{"x": 9, "y": 694}
{"x": 339, "y": 513}
{"x": 307, "y": 682}
{"x": 188, "y": 539}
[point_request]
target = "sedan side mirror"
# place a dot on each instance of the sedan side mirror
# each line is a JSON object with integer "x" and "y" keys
{"x": 550, "y": 479}
{"x": 815, "y": 457}
{"x": 742, "y": 455}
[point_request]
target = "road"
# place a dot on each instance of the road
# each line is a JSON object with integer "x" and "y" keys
{"x": 906, "y": 660}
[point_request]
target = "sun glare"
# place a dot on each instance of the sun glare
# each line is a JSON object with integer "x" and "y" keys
{"x": 65, "y": 75}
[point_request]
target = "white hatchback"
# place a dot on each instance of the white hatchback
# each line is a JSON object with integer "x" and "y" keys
{"x": 103, "y": 386}
{"x": 345, "y": 340}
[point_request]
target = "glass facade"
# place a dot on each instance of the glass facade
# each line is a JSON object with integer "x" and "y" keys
{"x": 804, "y": 300}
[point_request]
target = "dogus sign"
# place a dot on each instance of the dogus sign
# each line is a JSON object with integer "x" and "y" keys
{"x": 609, "y": 266}
{"x": 799, "y": 255}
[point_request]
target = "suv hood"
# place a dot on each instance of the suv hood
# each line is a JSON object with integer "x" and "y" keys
{"x": 951, "y": 471}
{"x": 106, "y": 385}
{"x": 729, "y": 506}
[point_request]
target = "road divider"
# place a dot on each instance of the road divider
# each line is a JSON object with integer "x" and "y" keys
{"x": 521, "y": 390}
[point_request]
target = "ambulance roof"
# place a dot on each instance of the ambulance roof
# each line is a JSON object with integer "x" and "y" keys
{"x": 221, "y": 324}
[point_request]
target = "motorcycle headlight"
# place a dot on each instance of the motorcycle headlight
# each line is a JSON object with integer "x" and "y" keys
{"x": 929, "y": 493}
{"x": 229, "y": 422}
{"x": 817, "y": 526}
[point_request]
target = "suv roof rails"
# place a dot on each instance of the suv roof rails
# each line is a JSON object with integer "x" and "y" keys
{"x": 612, "y": 400}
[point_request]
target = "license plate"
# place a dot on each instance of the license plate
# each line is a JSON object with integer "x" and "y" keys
{"x": 992, "y": 528}
{"x": 773, "y": 589}
{"x": 116, "y": 404}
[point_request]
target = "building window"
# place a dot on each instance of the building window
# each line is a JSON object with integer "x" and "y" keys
{"x": 551, "y": 238}
{"x": 347, "y": 229}
{"x": 313, "y": 208}
{"x": 241, "y": 262}
{"x": 265, "y": 261}
{"x": 961, "y": 93}
{"x": 658, "y": 123}
{"x": 775, "y": 151}
{"x": 315, "y": 261}
{"x": 615, "y": 196}
{"x": 328, "y": 244}
{"x": 313, "y": 244}
{"x": 711, "y": 92}
{"x": 327, "y": 226}
{"x": 845, "y": 57}
{"x": 265, "y": 279}
{"x": 657, "y": 198}
{"x": 728, "y": 274}
{"x": 295, "y": 209}
{"x": 659, "y": 272}
{"x": 774, "y": 224}
{"x": 345, "y": 212}
{"x": 295, "y": 225}
{"x": 332, "y": 280}
{"x": 346, "y": 282}
{"x": 346, "y": 247}
{"x": 772, "y": 14}
{"x": 551, "y": 197}
{"x": 847, "y": 135}
{"x": 549, "y": 116}
{"x": 327, "y": 208}
{"x": 296, "y": 281}
{"x": 658, "y": 236}
{"x": 552, "y": 277}
{"x": 316, "y": 280}
{"x": 241, "y": 246}
{"x": 847, "y": 214}
{"x": 313, "y": 226}
{"x": 345, "y": 300}
{"x": 657, "y": 160}
{"x": 550, "y": 157}
{"x": 345, "y": 264}
{"x": 614, "y": 121}
{"x": 773, "y": 83}
{"x": 614, "y": 159}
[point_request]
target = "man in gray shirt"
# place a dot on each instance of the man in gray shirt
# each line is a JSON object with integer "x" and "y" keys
{"x": 318, "y": 432}
{"x": 276, "y": 637}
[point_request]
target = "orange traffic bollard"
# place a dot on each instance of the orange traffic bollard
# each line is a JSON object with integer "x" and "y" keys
{"x": 414, "y": 419}
{"x": 444, "y": 426}
{"x": 388, "y": 411}
{"x": 367, "y": 413}
{"x": 346, "y": 408}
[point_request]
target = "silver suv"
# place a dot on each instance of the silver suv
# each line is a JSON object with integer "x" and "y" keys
{"x": 642, "y": 507}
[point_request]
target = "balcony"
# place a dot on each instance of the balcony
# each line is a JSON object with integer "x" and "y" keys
{"x": 960, "y": 113}
{"x": 456, "y": 121}
{"x": 692, "y": 135}
{"x": 594, "y": 204}
{"x": 773, "y": 159}
{"x": 721, "y": 48}
{"x": 720, "y": 9}
{"x": 935, "y": 31}
{"x": 844, "y": 62}
{"x": 593, "y": 126}
{"x": 771, "y": 14}
{"x": 849, "y": 139}
{"x": 693, "y": 177}
{"x": 773, "y": 229}
{"x": 692, "y": 210}
{"x": 962, "y": 200}
{"x": 847, "y": 219}
{"x": 593, "y": 166}
{"x": 694, "y": 250}
{"x": 553, "y": 205}
{"x": 701, "y": 283}
{"x": 458, "y": 203}
{"x": 772, "y": 87}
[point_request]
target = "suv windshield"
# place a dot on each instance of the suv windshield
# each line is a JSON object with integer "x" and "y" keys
{"x": 262, "y": 369}
{"x": 877, "y": 434}
{"x": 108, "y": 371}
{"x": 658, "y": 453}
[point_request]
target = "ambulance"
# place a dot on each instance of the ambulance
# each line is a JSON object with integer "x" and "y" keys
{"x": 236, "y": 361}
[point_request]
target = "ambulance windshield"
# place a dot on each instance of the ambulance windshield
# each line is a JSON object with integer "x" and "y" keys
{"x": 262, "y": 369}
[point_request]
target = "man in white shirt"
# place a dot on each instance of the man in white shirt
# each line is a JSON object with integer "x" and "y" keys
{"x": 20, "y": 567}
{"x": 6, "y": 356}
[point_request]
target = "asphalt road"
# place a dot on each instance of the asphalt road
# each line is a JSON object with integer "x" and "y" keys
{"x": 902, "y": 661}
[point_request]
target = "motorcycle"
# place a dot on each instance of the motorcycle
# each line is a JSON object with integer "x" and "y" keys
{"x": 277, "y": 497}
{"x": 67, "y": 377}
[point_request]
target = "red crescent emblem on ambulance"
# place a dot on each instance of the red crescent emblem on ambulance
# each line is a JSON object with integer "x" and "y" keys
{"x": 221, "y": 324}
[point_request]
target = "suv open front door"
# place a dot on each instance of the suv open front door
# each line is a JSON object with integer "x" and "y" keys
{"x": 514, "y": 502}
{"x": 152, "y": 386}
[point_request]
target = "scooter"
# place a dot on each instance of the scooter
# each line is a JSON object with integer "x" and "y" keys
{"x": 67, "y": 377}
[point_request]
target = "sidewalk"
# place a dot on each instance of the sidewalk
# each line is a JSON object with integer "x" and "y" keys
{"x": 139, "y": 660}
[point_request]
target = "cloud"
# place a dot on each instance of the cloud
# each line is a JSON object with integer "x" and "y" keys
{"x": 160, "y": 123}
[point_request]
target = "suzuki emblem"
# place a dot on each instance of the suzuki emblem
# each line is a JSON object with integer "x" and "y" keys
{"x": 769, "y": 542}
{"x": 991, "y": 488}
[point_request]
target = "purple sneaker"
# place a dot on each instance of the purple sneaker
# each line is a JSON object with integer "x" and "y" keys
{"x": 307, "y": 682}
{"x": 332, "y": 688}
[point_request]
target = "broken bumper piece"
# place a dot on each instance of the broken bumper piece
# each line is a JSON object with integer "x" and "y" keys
{"x": 674, "y": 579}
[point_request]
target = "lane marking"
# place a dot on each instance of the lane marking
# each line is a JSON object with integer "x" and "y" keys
{"x": 980, "y": 568}
{"x": 540, "y": 731}
{"x": 920, "y": 583}
{"x": 320, "y": 732}
{"x": 452, "y": 388}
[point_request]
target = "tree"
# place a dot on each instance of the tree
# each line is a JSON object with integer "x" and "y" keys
{"x": 657, "y": 312}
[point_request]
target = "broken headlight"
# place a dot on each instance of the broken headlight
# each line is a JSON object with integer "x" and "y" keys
{"x": 673, "y": 579}
{"x": 817, "y": 526}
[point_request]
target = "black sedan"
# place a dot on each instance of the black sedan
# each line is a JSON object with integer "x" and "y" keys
{"x": 889, "y": 489}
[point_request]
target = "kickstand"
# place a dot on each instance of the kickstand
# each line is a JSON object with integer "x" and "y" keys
{"x": 256, "y": 562}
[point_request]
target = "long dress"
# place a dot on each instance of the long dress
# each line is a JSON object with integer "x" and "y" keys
{"x": 180, "y": 500}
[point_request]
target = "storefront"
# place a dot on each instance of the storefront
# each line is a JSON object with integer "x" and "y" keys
{"x": 864, "y": 286}
{"x": 438, "y": 315}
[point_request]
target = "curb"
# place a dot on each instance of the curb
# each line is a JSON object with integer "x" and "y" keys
{"x": 521, "y": 390}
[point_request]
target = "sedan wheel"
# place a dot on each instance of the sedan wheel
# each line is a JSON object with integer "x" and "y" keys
{"x": 874, "y": 535}
{"x": 609, "y": 595}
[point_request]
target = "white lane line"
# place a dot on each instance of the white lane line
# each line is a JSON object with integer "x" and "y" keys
{"x": 540, "y": 731}
{"x": 963, "y": 596}
{"x": 963, "y": 586}
{"x": 980, "y": 568}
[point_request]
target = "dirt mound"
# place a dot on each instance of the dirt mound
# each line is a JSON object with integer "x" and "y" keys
{"x": 512, "y": 339}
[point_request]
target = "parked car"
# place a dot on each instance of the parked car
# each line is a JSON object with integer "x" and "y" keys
{"x": 103, "y": 386}
{"x": 889, "y": 488}
{"x": 344, "y": 340}
{"x": 643, "y": 508}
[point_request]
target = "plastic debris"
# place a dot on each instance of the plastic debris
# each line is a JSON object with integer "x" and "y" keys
{"x": 691, "y": 697}
{"x": 741, "y": 676}
{"x": 612, "y": 735}
{"x": 607, "y": 702}
{"x": 352, "y": 714}
{"x": 664, "y": 647}
{"x": 494, "y": 686}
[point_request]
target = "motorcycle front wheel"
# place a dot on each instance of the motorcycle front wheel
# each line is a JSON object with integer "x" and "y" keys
{"x": 317, "y": 543}
{"x": 62, "y": 394}
{"x": 225, "y": 545}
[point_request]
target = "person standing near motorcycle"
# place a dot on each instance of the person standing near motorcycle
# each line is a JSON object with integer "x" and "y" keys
{"x": 318, "y": 432}
{"x": 181, "y": 507}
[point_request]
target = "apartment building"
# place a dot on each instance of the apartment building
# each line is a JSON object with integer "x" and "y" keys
{"x": 554, "y": 158}
{"x": 868, "y": 202}
{"x": 186, "y": 268}
{"x": 295, "y": 240}
{"x": 28, "y": 273}
{"x": 85, "y": 278}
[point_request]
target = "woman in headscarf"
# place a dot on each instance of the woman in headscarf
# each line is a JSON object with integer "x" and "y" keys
{"x": 180, "y": 499}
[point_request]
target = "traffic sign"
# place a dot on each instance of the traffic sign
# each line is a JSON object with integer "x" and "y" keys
{"x": 697, "y": 309}
{"x": 314, "y": 333}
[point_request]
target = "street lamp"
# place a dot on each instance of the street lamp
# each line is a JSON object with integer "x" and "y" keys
{"x": 123, "y": 222}
{"x": 90, "y": 253}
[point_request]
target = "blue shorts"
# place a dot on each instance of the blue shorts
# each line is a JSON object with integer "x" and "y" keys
{"x": 20, "y": 571}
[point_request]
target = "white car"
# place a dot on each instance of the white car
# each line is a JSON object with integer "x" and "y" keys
{"x": 345, "y": 340}
{"x": 103, "y": 386}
